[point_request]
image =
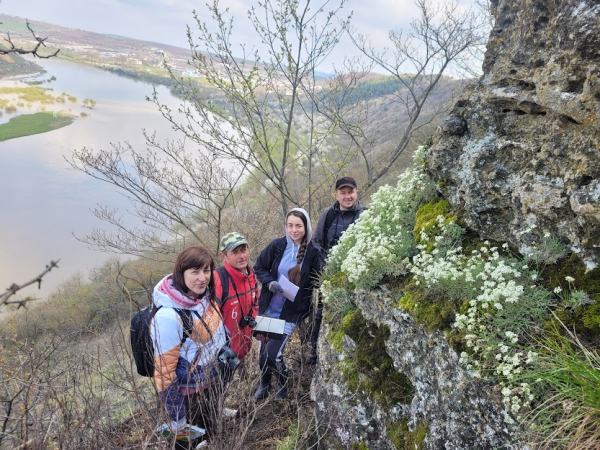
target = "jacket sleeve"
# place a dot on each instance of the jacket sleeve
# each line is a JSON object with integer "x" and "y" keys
{"x": 319, "y": 234}
{"x": 166, "y": 333}
{"x": 264, "y": 264}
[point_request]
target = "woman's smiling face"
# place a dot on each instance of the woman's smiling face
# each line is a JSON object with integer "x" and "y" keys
{"x": 295, "y": 228}
{"x": 196, "y": 280}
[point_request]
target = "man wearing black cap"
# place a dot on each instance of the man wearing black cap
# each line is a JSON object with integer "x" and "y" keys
{"x": 332, "y": 223}
{"x": 336, "y": 219}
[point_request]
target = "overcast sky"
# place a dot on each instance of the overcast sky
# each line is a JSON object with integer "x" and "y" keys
{"x": 165, "y": 20}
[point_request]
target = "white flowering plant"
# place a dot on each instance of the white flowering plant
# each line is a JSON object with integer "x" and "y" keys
{"x": 379, "y": 242}
{"x": 501, "y": 304}
{"x": 573, "y": 298}
{"x": 491, "y": 297}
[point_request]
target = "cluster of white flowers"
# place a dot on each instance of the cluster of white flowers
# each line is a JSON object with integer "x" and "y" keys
{"x": 381, "y": 239}
{"x": 513, "y": 397}
{"x": 488, "y": 281}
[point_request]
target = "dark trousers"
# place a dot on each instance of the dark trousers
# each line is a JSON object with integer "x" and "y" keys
{"x": 202, "y": 408}
{"x": 270, "y": 356}
{"x": 204, "y": 411}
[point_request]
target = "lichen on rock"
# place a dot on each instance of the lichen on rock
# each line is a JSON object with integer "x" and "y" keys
{"x": 451, "y": 408}
{"x": 529, "y": 151}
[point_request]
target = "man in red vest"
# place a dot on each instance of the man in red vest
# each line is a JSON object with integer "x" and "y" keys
{"x": 236, "y": 291}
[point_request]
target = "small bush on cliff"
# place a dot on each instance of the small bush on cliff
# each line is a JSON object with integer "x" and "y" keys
{"x": 380, "y": 240}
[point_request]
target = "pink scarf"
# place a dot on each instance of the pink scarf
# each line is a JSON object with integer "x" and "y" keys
{"x": 167, "y": 288}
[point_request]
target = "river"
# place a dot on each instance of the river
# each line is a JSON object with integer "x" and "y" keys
{"x": 44, "y": 202}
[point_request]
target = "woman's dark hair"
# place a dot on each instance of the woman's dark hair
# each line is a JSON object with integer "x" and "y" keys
{"x": 294, "y": 272}
{"x": 196, "y": 257}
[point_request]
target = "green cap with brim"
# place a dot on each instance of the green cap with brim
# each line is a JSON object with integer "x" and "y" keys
{"x": 231, "y": 241}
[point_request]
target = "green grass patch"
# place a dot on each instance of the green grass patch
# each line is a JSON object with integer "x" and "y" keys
{"x": 28, "y": 124}
{"x": 567, "y": 375}
{"x": 29, "y": 94}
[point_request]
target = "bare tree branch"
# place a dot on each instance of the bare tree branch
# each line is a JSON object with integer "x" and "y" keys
{"x": 178, "y": 194}
{"x": 14, "y": 288}
{"x": 257, "y": 116}
{"x": 40, "y": 42}
{"x": 439, "y": 39}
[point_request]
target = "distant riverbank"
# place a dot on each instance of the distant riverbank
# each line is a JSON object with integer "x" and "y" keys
{"x": 15, "y": 65}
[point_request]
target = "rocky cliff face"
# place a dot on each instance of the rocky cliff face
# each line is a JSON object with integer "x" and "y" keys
{"x": 440, "y": 406}
{"x": 520, "y": 157}
{"x": 520, "y": 153}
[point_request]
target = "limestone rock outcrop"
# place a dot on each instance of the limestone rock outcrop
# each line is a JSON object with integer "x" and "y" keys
{"x": 448, "y": 409}
{"x": 520, "y": 156}
{"x": 520, "y": 153}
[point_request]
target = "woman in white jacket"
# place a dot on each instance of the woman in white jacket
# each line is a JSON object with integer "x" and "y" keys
{"x": 186, "y": 367}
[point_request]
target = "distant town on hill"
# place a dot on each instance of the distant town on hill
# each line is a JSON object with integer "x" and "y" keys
{"x": 124, "y": 55}
{"x": 145, "y": 61}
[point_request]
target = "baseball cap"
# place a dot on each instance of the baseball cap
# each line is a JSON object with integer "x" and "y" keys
{"x": 231, "y": 241}
{"x": 345, "y": 181}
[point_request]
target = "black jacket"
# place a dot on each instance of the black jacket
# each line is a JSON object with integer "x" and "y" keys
{"x": 327, "y": 235}
{"x": 266, "y": 271}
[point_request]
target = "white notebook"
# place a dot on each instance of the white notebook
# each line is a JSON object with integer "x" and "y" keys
{"x": 272, "y": 328}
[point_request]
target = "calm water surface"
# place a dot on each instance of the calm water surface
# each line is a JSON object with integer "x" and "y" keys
{"x": 43, "y": 201}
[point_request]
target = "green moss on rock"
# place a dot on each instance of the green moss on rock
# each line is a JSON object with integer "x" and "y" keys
{"x": 426, "y": 221}
{"x": 434, "y": 313}
{"x": 336, "y": 340}
{"x": 361, "y": 446}
{"x": 369, "y": 368}
{"x": 405, "y": 439}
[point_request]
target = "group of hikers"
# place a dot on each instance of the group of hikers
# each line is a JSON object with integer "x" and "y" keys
{"x": 204, "y": 317}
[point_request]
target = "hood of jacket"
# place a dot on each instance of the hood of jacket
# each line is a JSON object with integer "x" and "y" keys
{"x": 291, "y": 250}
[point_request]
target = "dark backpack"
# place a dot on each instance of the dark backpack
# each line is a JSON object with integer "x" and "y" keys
{"x": 224, "y": 276}
{"x": 329, "y": 221}
{"x": 141, "y": 339}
